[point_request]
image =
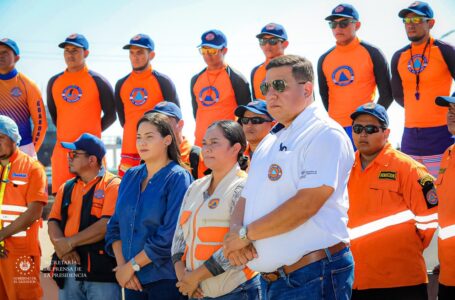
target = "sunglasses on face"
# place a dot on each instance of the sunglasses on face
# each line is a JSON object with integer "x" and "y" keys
{"x": 208, "y": 51}
{"x": 74, "y": 154}
{"x": 415, "y": 20}
{"x": 271, "y": 41}
{"x": 253, "y": 120}
{"x": 278, "y": 85}
{"x": 369, "y": 129}
{"x": 343, "y": 23}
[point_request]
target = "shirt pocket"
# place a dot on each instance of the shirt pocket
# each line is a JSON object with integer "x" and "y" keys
{"x": 384, "y": 196}
{"x": 97, "y": 207}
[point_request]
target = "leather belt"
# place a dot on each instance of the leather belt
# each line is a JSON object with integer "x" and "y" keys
{"x": 304, "y": 261}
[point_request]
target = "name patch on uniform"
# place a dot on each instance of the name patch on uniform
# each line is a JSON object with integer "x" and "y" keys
{"x": 442, "y": 170}
{"x": 99, "y": 194}
{"x": 388, "y": 175}
{"x": 343, "y": 75}
{"x": 21, "y": 175}
{"x": 428, "y": 190}
{"x": 72, "y": 93}
{"x": 213, "y": 203}
{"x": 16, "y": 92}
{"x": 138, "y": 96}
{"x": 275, "y": 172}
{"x": 209, "y": 96}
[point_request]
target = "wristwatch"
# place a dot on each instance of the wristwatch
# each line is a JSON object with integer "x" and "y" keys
{"x": 243, "y": 231}
{"x": 136, "y": 266}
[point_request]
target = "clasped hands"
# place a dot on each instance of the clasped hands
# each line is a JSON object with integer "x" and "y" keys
{"x": 238, "y": 251}
{"x": 65, "y": 251}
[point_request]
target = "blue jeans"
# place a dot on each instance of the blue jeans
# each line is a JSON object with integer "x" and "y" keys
{"x": 88, "y": 290}
{"x": 164, "y": 289}
{"x": 329, "y": 278}
{"x": 250, "y": 290}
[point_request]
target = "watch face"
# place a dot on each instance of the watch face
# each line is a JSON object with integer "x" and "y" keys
{"x": 242, "y": 233}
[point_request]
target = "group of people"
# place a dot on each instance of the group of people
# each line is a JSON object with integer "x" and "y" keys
{"x": 270, "y": 203}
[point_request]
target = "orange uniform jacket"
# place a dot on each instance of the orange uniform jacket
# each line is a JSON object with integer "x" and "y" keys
{"x": 436, "y": 70}
{"x": 20, "y": 99}
{"x": 446, "y": 212}
{"x": 392, "y": 218}
{"x": 215, "y": 95}
{"x": 348, "y": 76}
{"x": 257, "y": 77}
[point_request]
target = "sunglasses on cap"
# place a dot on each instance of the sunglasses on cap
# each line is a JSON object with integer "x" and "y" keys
{"x": 343, "y": 23}
{"x": 278, "y": 85}
{"x": 253, "y": 120}
{"x": 415, "y": 20}
{"x": 208, "y": 51}
{"x": 369, "y": 129}
{"x": 271, "y": 41}
{"x": 74, "y": 154}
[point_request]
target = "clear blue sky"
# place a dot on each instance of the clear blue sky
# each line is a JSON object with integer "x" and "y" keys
{"x": 176, "y": 25}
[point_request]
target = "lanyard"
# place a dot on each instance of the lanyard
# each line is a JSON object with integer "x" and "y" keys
{"x": 5, "y": 173}
{"x": 420, "y": 69}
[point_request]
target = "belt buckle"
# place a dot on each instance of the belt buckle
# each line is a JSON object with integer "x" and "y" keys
{"x": 270, "y": 277}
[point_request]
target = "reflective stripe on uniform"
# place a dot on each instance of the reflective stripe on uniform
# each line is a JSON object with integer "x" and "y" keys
{"x": 15, "y": 208}
{"x": 447, "y": 232}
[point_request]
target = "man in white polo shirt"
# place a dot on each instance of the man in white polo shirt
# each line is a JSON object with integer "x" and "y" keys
{"x": 294, "y": 205}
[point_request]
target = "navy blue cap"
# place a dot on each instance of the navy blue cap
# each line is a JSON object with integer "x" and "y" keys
{"x": 373, "y": 109}
{"x": 445, "y": 100}
{"x": 343, "y": 10}
{"x": 256, "y": 106}
{"x": 77, "y": 40}
{"x": 11, "y": 44}
{"x": 141, "y": 40}
{"x": 273, "y": 29}
{"x": 167, "y": 108}
{"x": 419, "y": 8}
{"x": 89, "y": 143}
{"x": 213, "y": 39}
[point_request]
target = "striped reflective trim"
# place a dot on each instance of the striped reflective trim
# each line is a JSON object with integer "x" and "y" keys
{"x": 447, "y": 232}
{"x": 425, "y": 226}
{"x": 371, "y": 227}
{"x": 5, "y": 217}
{"x": 19, "y": 234}
{"x": 424, "y": 219}
{"x": 16, "y": 208}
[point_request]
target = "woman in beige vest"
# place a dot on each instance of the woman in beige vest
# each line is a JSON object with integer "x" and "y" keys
{"x": 201, "y": 268}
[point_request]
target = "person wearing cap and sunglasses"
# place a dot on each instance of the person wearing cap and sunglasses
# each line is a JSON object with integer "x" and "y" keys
{"x": 77, "y": 96}
{"x": 294, "y": 204}
{"x": 137, "y": 93}
{"x": 23, "y": 194}
{"x": 77, "y": 224}
{"x": 256, "y": 123}
{"x": 20, "y": 99}
{"x": 217, "y": 90}
{"x": 446, "y": 209}
{"x": 350, "y": 72}
{"x": 392, "y": 213}
{"x": 422, "y": 71}
{"x": 273, "y": 41}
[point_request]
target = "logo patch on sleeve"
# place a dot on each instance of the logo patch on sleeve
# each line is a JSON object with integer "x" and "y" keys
{"x": 389, "y": 175}
{"x": 428, "y": 190}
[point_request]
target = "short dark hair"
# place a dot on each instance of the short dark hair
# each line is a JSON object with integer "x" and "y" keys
{"x": 233, "y": 132}
{"x": 302, "y": 68}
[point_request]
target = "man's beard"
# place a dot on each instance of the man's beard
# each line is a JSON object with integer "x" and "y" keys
{"x": 416, "y": 38}
{"x": 141, "y": 68}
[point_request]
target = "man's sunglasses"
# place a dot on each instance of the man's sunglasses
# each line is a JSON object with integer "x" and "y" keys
{"x": 415, "y": 20}
{"x": 343, "y": 23}
{"x": 209, "y": 51}
{"x": 74, "y": 154}
{"x": 278, "y": 85}
{"x": 271, "y": 41}
{"x": 369, "y": 129}
{"x": 253, "y": 120}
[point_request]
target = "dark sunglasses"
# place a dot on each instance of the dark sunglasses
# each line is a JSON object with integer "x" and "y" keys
{"x": 74, "y": 154}
{"x": 369, "y": 129}
{"x": 278, "y": 85}
{"x": 271, "y": 41}
{"x": 343, "y": 23}
{"x": 253, "y": 120}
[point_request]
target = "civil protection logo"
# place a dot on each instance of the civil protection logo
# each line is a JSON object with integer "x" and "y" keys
{"x": 138, "y": 96}
{"x": 137, "y": 37}
{"x": 417, "y": 63}
{"x": 205, "y": 96}
{"x": 72, "y": 93}
{"x": 16, "y": 92}
{"x": 213, "y": 203}
{"x": 209, "y": 36}
{"x": 275, "y": 172}
{"x": 339, "y": 8}
{"x": 432, "y": 197}
{"x": 270, "y": 26}
{"x": 99, "y": 194}
{"x": 343, "y": 75}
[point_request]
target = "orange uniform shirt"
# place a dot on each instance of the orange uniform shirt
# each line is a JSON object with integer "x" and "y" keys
{"x": 258, "y": 77}
{"x": 104, "y": 200}
{"x": 20, "y": 99}
{"x": 446, "y": 213}
{"x": 392, "y": 218}
{"x": 215, "y": 99}
{"x": 435, "y": 79}
{"x": 27, "y": 183}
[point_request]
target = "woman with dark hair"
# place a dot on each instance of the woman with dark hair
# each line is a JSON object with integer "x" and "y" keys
{"x": 204, "y": 219}
{"x": 140, "y": 232}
